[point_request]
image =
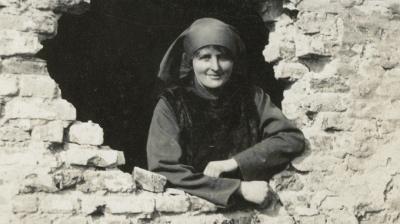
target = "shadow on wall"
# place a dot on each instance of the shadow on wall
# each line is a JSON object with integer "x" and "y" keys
{"x": 106, "y": 60}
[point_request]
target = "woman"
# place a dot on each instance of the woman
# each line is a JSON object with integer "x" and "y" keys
{"x": 213, "y": 135}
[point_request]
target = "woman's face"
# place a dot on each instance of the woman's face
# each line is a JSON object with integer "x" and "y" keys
{"x": 212, "y": 67}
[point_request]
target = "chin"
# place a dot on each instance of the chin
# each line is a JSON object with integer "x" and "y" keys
{"x": 214, "y": 85}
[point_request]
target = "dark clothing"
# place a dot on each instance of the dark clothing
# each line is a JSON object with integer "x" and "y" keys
{"x": 189, "y": 130}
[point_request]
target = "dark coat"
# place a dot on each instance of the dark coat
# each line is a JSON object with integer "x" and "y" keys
{"x": 279, "y": 141}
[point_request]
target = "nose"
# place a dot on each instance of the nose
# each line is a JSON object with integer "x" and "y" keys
{"x": 214, "y": 64}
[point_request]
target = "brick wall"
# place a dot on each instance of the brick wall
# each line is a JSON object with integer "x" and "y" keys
{"x": 340, "y": 60}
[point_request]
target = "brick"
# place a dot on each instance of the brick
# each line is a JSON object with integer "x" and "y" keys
{"x": 332, "y": 121}
{"x": 43, "y": 22}
{"x": 68, "y": 178}
{"x": 201, "y": 205}
{"x": 290, "y": 70}
{"x": 66, "y": 204}
{"x": 331, "y": 84}
{"x": 148, "y": 180}
{"x": 175, "y": 204}
{"x": 25, "y": 204}
{"x": 14, "y": 3}
{"x": 13, "y": 134}
{"x": 389, "y": 88}
{"x": 317, "y": 22}
{"x": 92, "y": 156}
{"x": 75, "y": 219}
{"x": 35, "y": 219}
{"x": 31, "y": 21}
{"x": 37, "y": 86}
{"x": 282, "y": 217}
{"x": 326, "y": 102}
{"x": 114, "y": 181}
{"x": 38, "y": 183}
{"x": 25, "y": 124}
{"x": 50, "y": 132}
{"x": 320, "y": 5}
{"x": 126, "y": 204}
{"x": 14, "y": 42}
{"x": 382, "y": 109}
{"x": 341, "y": 217}
{"x": 86, "y": 133}
{"x": 317, "y": 219}
{"x": 92, "y": 203}
{"x": 18, "y": 65}
{"x": 39, "y": 108}
{"x": 8, "y": 85}
{"x": 43, "y": 4}
{"x": 311, "y": 46}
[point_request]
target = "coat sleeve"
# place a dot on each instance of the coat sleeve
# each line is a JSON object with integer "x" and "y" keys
{"x": 281, "y": 142}
{"x": 164, "y": 157}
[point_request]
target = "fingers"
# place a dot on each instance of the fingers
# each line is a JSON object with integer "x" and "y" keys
{"x": 211, "y": 170}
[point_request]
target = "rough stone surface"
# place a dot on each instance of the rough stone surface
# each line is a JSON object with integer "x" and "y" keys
{"x": 343, "y": 103}
{"x": 176, "y": 203}
{"x": 39, "y": 108}
{"x": 86, "y": 133}
{"x": 37, "y": 86}
{"x": 25, "y": 204}
{"x": 51, "y": 132}
{"x": 148, "y": 180}
{"x": 8, "y": 85}
{"x": 58, "y": 204}
{"x": 19, "y": 65}
{"x": 109, "y": 181}
{"x": 92, "y": 156}
{"x": 13, "y": 42}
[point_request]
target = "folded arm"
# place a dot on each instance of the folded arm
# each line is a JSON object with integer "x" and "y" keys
{"x": 164, "y": 156}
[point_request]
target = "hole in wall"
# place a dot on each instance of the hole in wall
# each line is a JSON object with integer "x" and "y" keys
{"x": 106, "y": 60}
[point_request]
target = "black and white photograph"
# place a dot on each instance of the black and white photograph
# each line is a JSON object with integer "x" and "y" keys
{"x": 199, "y": 111}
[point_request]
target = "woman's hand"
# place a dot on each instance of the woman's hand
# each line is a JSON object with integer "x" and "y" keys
{"x": 215, "y": 168}
{"x": 257, "y": 192}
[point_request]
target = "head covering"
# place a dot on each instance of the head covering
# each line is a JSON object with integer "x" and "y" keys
{"x": 202, "y": 32}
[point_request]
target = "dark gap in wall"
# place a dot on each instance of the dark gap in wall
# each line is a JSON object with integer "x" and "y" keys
{"x": 106, "y": 60}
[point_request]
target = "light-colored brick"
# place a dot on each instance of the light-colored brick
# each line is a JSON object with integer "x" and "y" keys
{"x": 110, "y": 181}
{"x": 25, "y": 204}
{"x": 13, "y": 134}
{"x": 148, "y": 180}
{"x": 201, "y": 205}
{"x": 18, "y": 65}
{"x": 175, "y": 204}
{"x": 8, "y": 85}
{"x": 290, "y": 70}
{"x": 38, "y": 183}
{"x": 126, "y": 204}
{"x": 74, "y": 219}
{"x": 37, "y": 86}
{"x": 14, "y": 42}
{"x": 51, "y": 132}
{"x": 50, "y": 203}
{"x": 39, "y": 108}
{"x": 92, "y": 156}
{"x": 42, "y": 22}
{"x": 68, "y": 178}
{"x": 86, "y": 133}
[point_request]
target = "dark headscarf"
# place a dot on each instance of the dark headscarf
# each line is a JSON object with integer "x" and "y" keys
{"x": 202, "y": 32}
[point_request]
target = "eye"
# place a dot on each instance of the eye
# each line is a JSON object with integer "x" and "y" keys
{"x": 205, "y": 57}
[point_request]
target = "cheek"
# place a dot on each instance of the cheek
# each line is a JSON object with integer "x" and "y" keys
{"x": 198, "y": 67}
{"x": 227, "y": 67}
